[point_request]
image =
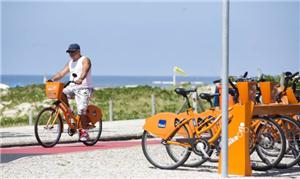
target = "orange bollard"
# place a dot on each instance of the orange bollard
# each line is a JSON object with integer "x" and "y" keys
{"x": 238, "y": 141}
{"x": 247, "y": 91}
{"x": 291, "y": 96}
{"x": 268, "y": 92}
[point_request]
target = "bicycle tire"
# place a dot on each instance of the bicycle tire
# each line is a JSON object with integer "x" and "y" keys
{"x": 259, "y": 150}
{"x": 149, "y": 158}
{"x": 93, "y": 142}
{"x": 37, "y": 136}
{"x": 294, "y": 141}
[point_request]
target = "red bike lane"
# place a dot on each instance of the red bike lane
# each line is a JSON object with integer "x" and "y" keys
{"x": 13, "y": 153}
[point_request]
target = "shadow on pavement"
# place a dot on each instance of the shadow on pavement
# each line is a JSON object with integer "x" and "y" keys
{"x": 5, "y": 158}
{"x": 290, "y": 172}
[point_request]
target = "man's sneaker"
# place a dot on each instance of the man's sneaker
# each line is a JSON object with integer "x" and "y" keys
{"x": 83, "y": 136}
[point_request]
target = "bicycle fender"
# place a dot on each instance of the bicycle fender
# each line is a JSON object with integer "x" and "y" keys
{"x": 160, "y": 124}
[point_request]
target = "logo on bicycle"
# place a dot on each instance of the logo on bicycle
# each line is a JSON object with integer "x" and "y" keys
{"x": 162, "y": 123}
{"x": 51, "y": 88}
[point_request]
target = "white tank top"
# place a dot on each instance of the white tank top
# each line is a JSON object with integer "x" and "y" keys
{"x": 76, "y": 67}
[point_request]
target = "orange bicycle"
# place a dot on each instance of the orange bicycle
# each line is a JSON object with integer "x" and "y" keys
{"x": 49, "y": 122}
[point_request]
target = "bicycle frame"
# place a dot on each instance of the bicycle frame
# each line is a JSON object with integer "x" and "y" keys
{"x": 61, "y": 107}
{"x": 209, "y": 123}
{"x": 199, "y": 130}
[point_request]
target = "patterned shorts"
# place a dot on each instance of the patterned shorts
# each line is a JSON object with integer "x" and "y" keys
{"x": 82, "y": 97}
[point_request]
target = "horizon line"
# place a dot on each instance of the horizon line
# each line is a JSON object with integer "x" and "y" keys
{"x": 112, "y": 75}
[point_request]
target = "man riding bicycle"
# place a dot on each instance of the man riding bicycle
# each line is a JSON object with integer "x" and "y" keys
{"x": 79, "y": 68}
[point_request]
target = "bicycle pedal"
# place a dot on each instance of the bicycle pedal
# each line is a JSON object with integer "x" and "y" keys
{"x": 71, "y": 131}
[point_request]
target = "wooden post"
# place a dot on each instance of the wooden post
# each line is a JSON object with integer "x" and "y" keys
{"x": 110, "y": 110}
{"x": 30, "y": 117}
{"x": 153, "y": 105}
{"x": 195, "y": 101}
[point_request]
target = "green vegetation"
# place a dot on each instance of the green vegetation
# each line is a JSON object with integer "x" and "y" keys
{"x": 276, "y": 79}
{"x": 135, "y": 103}
{"x": 128, "y": 103}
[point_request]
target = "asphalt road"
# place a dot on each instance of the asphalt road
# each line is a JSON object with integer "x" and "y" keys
{"x": 117, "y": 159}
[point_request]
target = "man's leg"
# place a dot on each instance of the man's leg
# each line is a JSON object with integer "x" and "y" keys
{"x": 64, "y": 99}
{"x": 84, "y": 121}
{"x": 82, "y": 100}
{"x": 67, "y": 93}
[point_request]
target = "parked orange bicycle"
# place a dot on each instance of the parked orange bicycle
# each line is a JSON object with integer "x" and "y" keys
{"x": 49, "y": 122}
{"x": 176, "y": 138}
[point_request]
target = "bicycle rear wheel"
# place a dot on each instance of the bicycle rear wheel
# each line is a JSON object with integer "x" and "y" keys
{"x": 48, "y": 127}
{"x": 94, "y": 134}
{"x": 156, "y": 149}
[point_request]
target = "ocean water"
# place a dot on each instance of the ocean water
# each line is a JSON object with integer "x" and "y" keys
{"x": 106, "y": 81}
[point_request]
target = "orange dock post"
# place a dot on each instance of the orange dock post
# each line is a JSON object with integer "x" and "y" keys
{"x": 238, "y": 141}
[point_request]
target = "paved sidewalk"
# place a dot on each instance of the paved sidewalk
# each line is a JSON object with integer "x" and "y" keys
{"x": 116, "y": 159}
{"x": 111, "y": 130}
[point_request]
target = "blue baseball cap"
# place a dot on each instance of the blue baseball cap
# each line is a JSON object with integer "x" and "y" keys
{"x": 73, "y": 48}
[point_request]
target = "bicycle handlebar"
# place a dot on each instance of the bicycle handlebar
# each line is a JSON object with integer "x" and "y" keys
{"x": 233, "y": 92}
{"x": 217, "y": 81}
{"x": 245, "y": 74}
{"x": 295, "y": 74}
{"x": 288, "y": 77}
{"x": 68, "y": 83}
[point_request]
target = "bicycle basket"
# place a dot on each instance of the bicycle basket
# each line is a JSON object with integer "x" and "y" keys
{"x": 54, "y": 90}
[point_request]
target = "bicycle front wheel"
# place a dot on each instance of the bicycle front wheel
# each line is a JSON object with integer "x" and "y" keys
{"x": 156, "y": 150}
{"x": 48, "y": 127}
{"x": 292, "y": 133}
{"x": 270, "y": 144}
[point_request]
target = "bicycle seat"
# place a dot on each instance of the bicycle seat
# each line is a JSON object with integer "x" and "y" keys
{"x": 183, "y": 92}
{"x": 207, "y": 96}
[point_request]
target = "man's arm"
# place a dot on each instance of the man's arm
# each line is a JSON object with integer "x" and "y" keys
{"x": 86, "y": 66}
{"x": 61, "y": 74}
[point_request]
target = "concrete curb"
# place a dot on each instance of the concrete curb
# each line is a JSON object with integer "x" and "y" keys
{"x": 105, "y": 138}
{"x": 112, "y": 131}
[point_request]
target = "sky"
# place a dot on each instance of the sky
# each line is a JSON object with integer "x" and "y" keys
{"x": 148, "y": 38}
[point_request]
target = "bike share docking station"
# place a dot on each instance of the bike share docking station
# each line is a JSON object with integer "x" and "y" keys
{"x": 239, "y": 129}
{"x": 199, "y": 133}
